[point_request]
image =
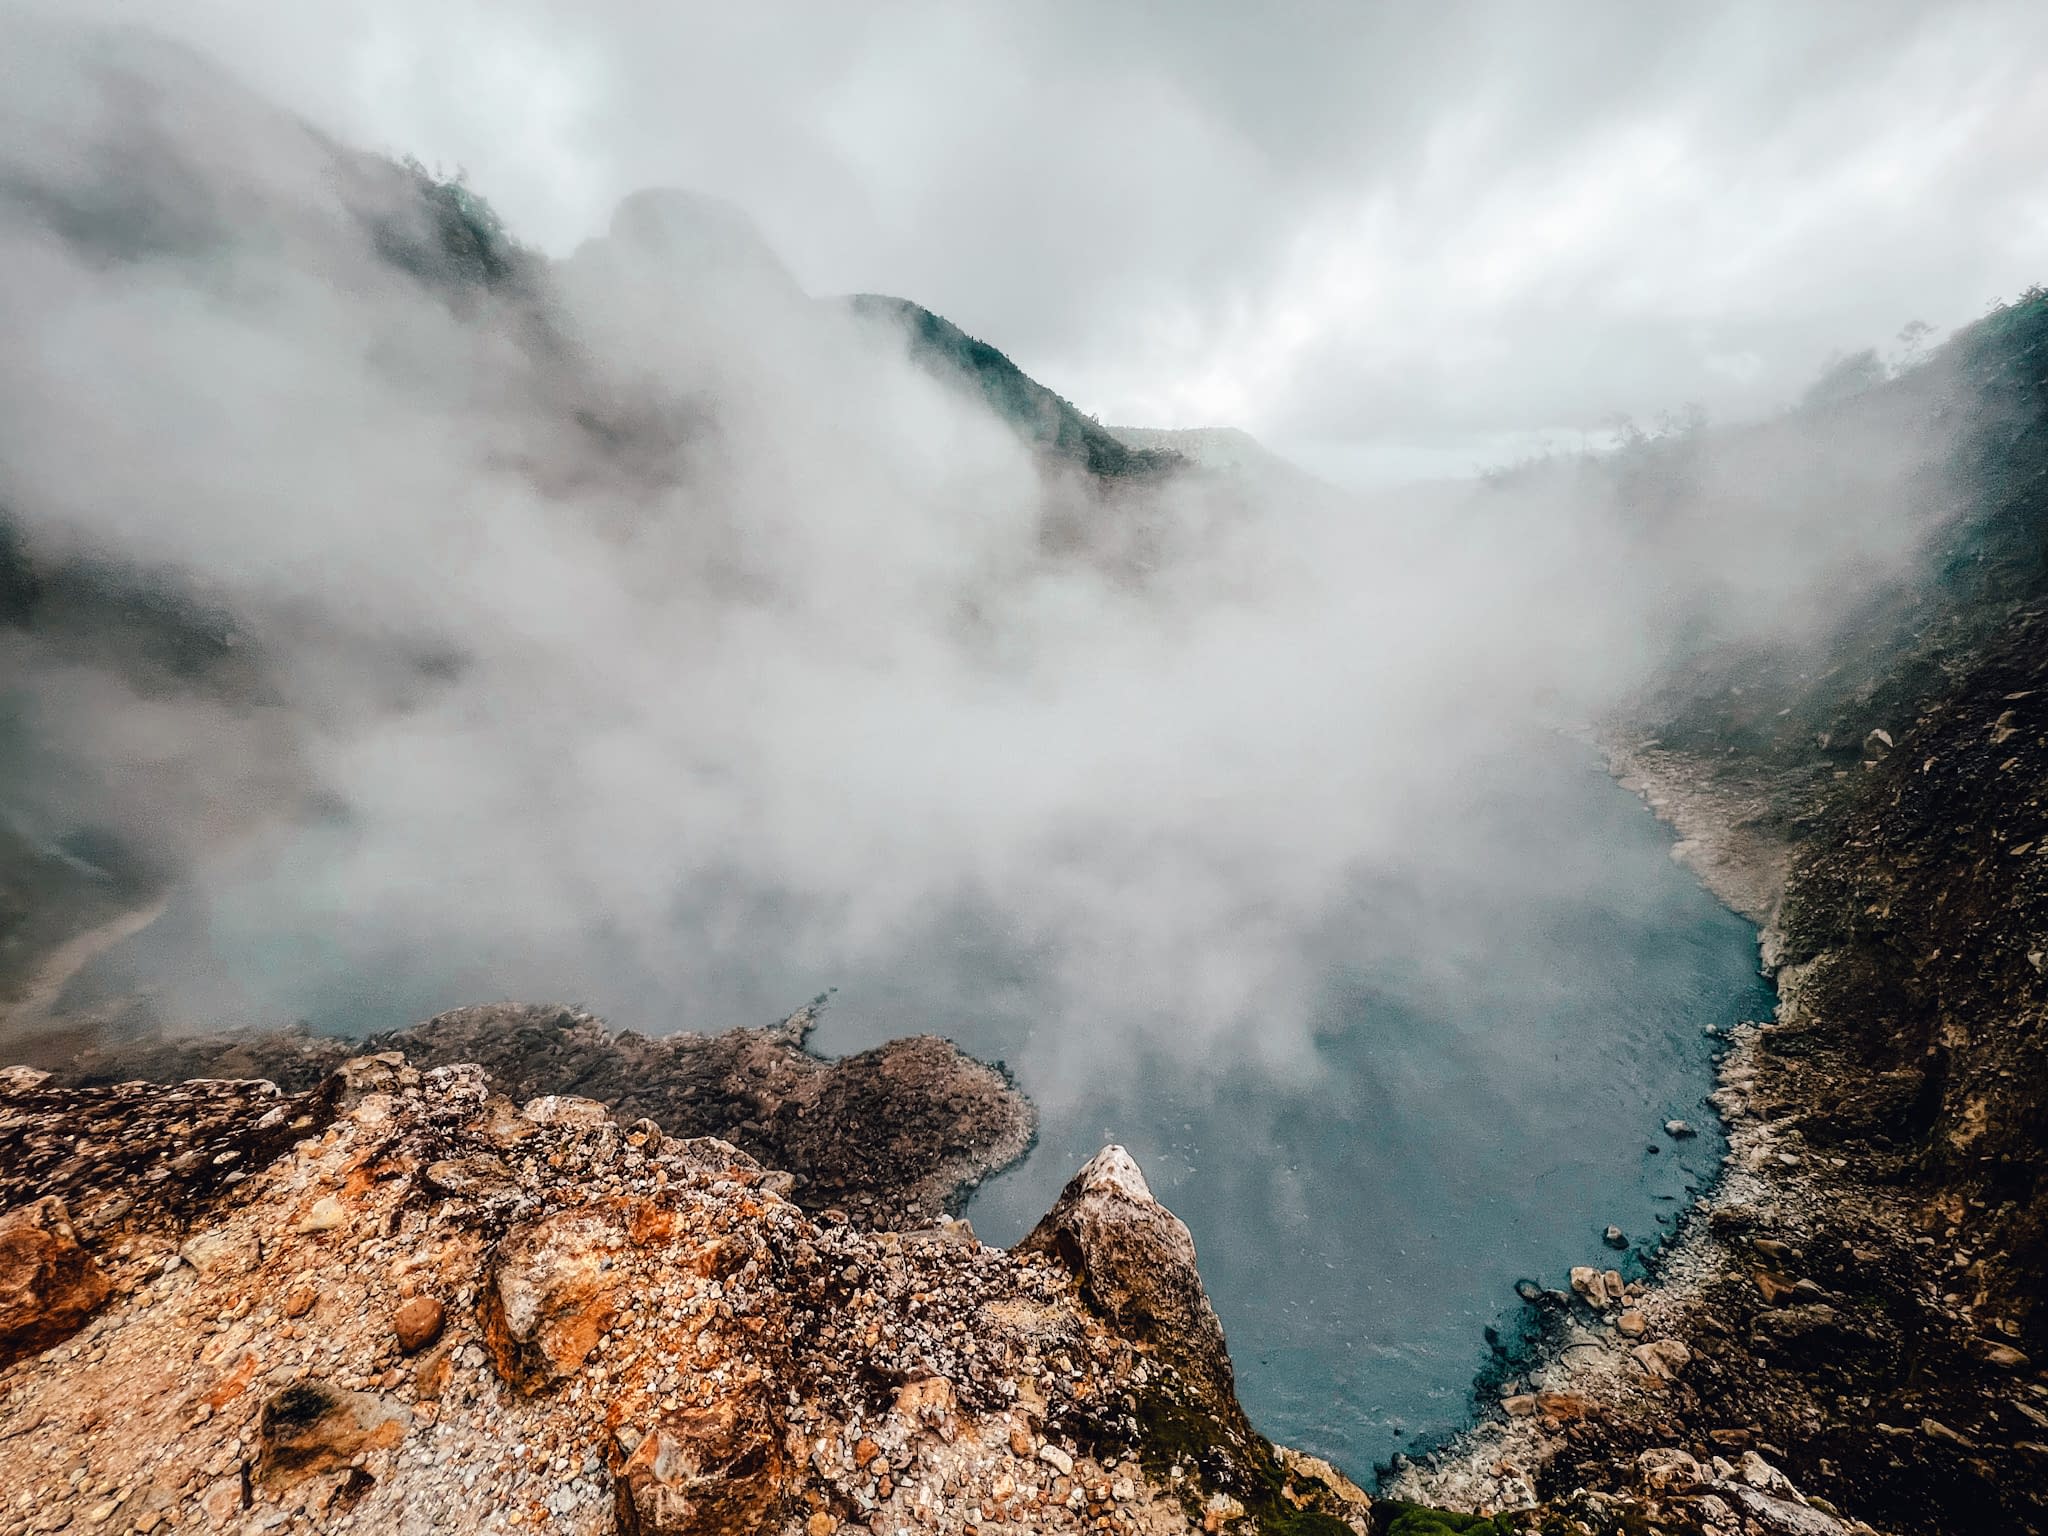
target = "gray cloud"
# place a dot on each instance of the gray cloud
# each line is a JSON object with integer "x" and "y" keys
{"x": 1403, "y": 231}
{"x": 770, "y": 679}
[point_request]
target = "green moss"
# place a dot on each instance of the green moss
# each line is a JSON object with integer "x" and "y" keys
{"x": 451, "y": 236}
{"x": 1173, "y": 1432}
{"x": 1421, "y": 1520}
{"x": 1284, "y": 1520}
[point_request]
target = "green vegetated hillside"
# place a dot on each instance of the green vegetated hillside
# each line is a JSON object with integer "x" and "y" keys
{"x": 1040, "y": 416}
{"x": 1214, "y": 448}
{"x": 1977, "y": 411}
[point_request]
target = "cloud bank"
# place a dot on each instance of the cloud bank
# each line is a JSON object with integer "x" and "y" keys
{"x": 1394, "y": 240}
{"x": 646, "y": 623}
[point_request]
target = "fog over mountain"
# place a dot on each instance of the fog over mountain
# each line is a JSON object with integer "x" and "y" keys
{"x": 634, "y": 615}
{"x": 1390, "y": 240}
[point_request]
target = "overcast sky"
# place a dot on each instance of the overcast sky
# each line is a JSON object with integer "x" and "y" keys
{"x": 1386, "y": 238}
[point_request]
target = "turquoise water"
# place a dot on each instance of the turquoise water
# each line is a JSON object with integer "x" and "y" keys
{"x": 1503, "y": 1026}
{"x": 1499, "y": 1046}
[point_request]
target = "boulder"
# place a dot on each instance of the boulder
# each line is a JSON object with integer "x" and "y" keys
{"x": 1220, "y": 1510}
{"x": 480, "y": 1176}
{"x": 1563, "y": 1407}
{"x": 327, "y": 1214}
{"x": 1135, "y": 1260}
{"x": 1770, "y": 1515}
{"x": 417, "y": 1323}
{"x": 1815, "y": 1324}
{"x": 49, "y": 1284}
{"x": 1935, "y": 1430}
{"x": 1599, "y": 1288}
{"x": 928, "y": 1399}
{"x": 569, "y": 1112}
{"x": 708, "y": 1471}
{"x": 1662, "y": 1359}
{"x": 315, "y": 1426}
{"x": 550, "y": 1297}
{"x": 1668, "y": 1470}
{"x": 362, "y": 1077}
{"x": 1765, "y": 1478}
{"x": 2004, "y": 1356}
{"x": 1774, "y": 1288}
{"x": 222, "y": 1253}
{"x": 1301, "y": 1464}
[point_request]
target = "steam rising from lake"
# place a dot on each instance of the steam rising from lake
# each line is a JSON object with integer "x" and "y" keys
{"x": 664, "y": 635}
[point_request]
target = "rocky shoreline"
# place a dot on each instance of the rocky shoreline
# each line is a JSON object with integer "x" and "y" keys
{"x": 1859, "y": 1301}
{"x": 1818, "y": 1317}
{"x": 1611, "y": 1346}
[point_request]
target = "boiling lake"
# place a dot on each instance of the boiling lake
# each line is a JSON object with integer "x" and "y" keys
{"x": 1496, "y": 1041}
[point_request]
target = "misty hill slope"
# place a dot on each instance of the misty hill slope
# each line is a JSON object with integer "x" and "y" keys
{"x": 1864, "y": 1293}
{"x": 1226, "y": 448}
{"x": 1038, "y": 414}
{"x": 1979, "y": 555}
{"x": 143, "y": 179}
{"x": 699, "y": 238}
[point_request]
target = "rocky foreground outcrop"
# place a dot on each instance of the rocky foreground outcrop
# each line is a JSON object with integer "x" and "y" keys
{"x": 400, "y": 1301}
{"x": 894, "y": 1136}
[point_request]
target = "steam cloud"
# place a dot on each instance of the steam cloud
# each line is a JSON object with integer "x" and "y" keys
{"x": 696, "y": 648}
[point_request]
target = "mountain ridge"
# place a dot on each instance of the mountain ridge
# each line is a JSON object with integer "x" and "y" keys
{"x": 1042, "y": 417}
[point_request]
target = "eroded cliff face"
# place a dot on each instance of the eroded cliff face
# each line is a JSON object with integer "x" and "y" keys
{"x": 400, "y": 1301}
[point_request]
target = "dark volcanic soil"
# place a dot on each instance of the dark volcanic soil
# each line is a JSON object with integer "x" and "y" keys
{"x": 1861, "y": 1302}
{"x": 1879, "y": 1319}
